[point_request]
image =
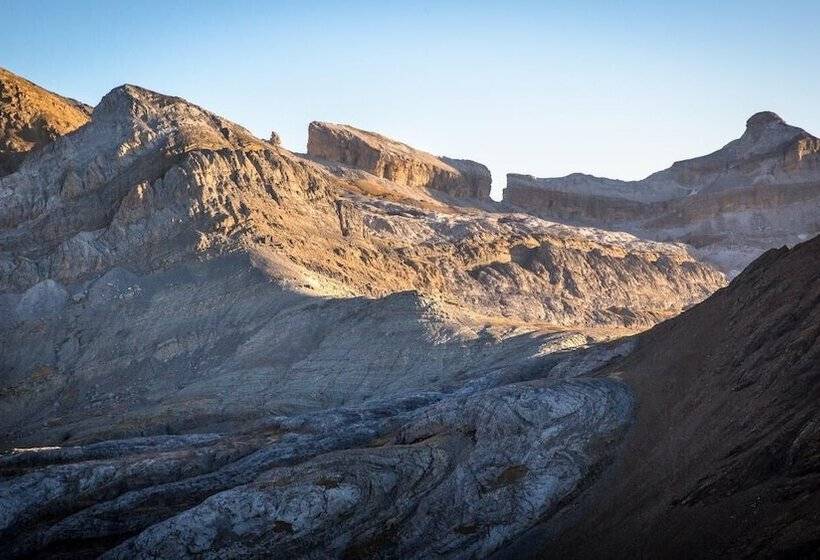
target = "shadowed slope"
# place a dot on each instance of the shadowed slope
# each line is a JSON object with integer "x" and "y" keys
{"x": 724, "y": 457}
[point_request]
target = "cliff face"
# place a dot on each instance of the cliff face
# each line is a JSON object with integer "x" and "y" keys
{"x": 398, "y": 162}
{"x": 757, "y": 192}
{"x": 723, "y": 457}
{"x": 31, "y": 117}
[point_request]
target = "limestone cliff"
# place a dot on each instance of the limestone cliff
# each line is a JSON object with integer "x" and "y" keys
{"x": 757, "y": 192}
{"x": 398, "y": 162}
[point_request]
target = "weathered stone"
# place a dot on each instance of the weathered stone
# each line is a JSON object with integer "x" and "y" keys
{"x": 398, "y": 162}
{"x": 32, "y": 117}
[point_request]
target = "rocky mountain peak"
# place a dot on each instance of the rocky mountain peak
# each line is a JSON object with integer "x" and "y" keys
{"x": 767, "y": 131}
{"x": 762, "y": 119}
{"x": 139, "y": 110}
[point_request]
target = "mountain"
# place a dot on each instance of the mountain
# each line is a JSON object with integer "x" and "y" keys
{"x": 162, "y": 238}
{"x": 757, "y": 192}
{"x": 723, "y": 459}
{"x": 31, "y": 117}
{"x": 214, "y": 347}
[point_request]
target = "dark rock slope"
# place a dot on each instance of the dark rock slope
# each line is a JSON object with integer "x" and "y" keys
{"x": 723, "y": 460}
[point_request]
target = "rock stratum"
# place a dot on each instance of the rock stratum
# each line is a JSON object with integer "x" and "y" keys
{"x": 757, "y": 192}
{"x": 397, "y": 162}
{"x": 217, "y": 348}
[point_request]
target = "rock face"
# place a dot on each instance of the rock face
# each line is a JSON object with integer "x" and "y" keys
{"x": 724, "y": 455}
{"x": 219, "y": 348}
{"x": 255, "y": 274}
{"x": 31, "y": 117}
{"x": 398, "y": 162}
{"x": 757, "y": 192}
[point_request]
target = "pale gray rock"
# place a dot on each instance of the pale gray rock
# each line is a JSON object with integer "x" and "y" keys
{"x": 465, "y": 472}
{"x": 44, "y": 298}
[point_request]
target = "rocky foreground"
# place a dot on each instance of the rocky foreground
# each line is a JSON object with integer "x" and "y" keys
{"x": 216, "y": 348}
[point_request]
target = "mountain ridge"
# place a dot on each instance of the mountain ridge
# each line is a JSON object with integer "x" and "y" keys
{"x": 759, "y": 191}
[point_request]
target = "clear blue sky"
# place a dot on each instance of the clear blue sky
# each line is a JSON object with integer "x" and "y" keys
{"x": 618, "y": 89}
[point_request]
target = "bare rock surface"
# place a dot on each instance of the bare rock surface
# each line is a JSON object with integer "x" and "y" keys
{"x": 214, "y": 346}
{"x": 757, "y": 192}
{"x": 453, "y": 474}
{"x": 32, "y": 117}
{"x": 213, "y": 276}
{"x": 397, "y": 162}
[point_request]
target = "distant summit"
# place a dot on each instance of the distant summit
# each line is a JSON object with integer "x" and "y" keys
{"x": 762, "y": 119}
{"x": 759, "y": 191}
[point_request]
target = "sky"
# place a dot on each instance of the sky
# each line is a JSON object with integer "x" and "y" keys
{"x": 616, "y": 89}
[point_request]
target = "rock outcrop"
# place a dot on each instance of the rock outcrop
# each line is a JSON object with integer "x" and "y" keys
{"x": 757, "y": 192}
{"x": 437, "y": 473}
{"x": 31, "y": 117}
{"x": 397, "y": 162}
